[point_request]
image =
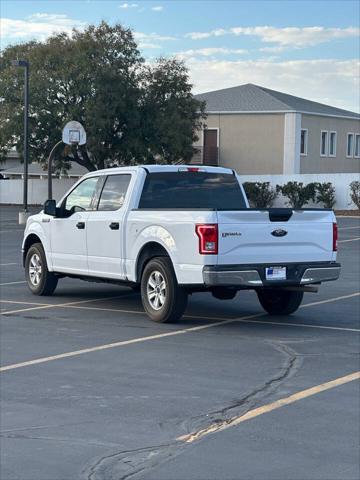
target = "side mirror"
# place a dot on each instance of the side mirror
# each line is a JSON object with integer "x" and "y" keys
{"x": 50, "y": 208}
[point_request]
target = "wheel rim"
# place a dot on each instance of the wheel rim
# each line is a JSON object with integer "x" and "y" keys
{"x": 156, "y": 290}
{"x": 35, "y": 269}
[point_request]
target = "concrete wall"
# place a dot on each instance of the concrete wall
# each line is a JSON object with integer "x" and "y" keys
{"x": 313, "y": 162}
{"x": 340, "y": 181}
{"x": 249, "y": 143}
{"x": 11, "y": 191}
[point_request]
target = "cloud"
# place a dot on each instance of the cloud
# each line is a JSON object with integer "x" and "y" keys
{"x": 38, "y": 26}
{"x": 201, "y": 35}
{"x": 142, "y": 45}
{"x": 298, "y": 37}
{"x": 208, "y": 52}
{"x": 151, "y": 37}
{"x": 126, "y": 6}
{"x": 158, "y": 8}
{"x": 331, "y": 81}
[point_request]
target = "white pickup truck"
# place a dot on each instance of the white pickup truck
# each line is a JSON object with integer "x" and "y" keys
{"x": 175, "y": 230}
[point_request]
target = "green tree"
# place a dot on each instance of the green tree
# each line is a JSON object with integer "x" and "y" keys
{"x": 132, "y": 112}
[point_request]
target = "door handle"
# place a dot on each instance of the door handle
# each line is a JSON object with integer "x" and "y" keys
{"x": 114, "y": 226}
{"x": 80, "y": 225}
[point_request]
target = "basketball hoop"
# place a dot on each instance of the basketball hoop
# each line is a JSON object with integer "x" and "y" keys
{"x": 74, "y": 134}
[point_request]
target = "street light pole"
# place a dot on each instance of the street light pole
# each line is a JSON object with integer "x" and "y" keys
{"x": 24, "y": 64}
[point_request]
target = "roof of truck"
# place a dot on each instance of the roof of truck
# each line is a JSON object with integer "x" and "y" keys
{"x": 160, "y": 168}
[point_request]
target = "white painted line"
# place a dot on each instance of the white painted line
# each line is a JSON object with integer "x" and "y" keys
{"x": 7, "y": 264}
{"x": 15, "y": 230}
{"x": 55, "y": 305}
{"x": 256, "y": 412}
{"x": 329, "y": 300}
{"x": 23, "y": 303}
{"x": 115, "y": 344}
{"x": 349, "y": 240}
{"x": 11, "y": 283}
{"x": 247, "y": 318}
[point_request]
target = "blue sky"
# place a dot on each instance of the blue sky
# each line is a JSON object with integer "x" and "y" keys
{"x": 306, "y": 48}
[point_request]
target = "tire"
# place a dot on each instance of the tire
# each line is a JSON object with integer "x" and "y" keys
{"x": 280, "y": 302}
{"x": 40, "y": 281}
{"x": 162, "y": 298}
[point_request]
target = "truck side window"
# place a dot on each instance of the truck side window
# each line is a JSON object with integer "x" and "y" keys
{"x": 114, "y": 191}
{"x": 82, "y": 195}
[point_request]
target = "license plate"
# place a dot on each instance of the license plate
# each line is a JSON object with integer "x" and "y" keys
{"x": 275, "y": 273}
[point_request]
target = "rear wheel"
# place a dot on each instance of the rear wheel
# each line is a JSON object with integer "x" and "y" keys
{"x": 40, "y": 281}
{"x": 280, "y": 302}
{"x": 162, "y": 298}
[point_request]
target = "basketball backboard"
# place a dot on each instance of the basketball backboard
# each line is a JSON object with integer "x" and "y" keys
{"x": 74, "y": 134}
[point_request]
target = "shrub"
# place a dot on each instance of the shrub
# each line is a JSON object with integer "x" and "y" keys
{"x": 325, "y": 194}
{"x": 355, "y": 192}
{"x": 260, "y": 194}
{"x": 297, "y": 193}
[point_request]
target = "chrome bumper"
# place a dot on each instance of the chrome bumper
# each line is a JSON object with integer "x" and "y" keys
{"x": 316, "y": 275}
{"x": 252, "y": 276}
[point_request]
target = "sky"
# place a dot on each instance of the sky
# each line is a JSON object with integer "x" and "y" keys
{"x": 307, "y": 48}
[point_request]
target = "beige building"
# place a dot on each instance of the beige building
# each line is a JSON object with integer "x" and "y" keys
{"x": 260, "y": 131}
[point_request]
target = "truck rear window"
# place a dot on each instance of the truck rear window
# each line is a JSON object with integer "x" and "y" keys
{"x": 192, "y": 190}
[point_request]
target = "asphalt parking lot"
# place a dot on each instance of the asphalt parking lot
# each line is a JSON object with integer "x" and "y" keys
{"x": 92, "y": 389}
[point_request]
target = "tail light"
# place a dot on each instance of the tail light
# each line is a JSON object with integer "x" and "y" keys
{"x": 208, "y": 239}
{"x": 335, "y": 237}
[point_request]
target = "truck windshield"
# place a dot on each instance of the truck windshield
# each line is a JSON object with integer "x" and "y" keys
{"x": 180, "y": 190}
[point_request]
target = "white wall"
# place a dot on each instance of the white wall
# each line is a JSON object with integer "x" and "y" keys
{"x": 340, "y": 181}
{"x": 11, "y": 191}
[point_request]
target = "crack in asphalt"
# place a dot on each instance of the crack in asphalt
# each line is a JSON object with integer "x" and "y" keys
{"x": 127, "y": 464}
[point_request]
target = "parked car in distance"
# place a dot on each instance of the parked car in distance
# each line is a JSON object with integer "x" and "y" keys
{"x": 174, "y": 230}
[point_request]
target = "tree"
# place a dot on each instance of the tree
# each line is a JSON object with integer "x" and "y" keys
{"x": 132, "y": 112}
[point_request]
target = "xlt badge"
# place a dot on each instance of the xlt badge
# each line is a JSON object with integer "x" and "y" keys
{"x": 230, "y": 234}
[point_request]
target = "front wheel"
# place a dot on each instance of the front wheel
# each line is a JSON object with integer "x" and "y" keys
{"x": 40, "y": 281}
{"x": 280, "y": 302}
{"x": 162, "y": 298}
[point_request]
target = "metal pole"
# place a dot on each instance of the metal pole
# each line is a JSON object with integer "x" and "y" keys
{"x": 26, "y": 135}
{"x": 50, "y": 159}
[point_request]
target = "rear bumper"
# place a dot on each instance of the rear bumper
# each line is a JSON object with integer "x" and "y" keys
{"x": 252, "y": 276}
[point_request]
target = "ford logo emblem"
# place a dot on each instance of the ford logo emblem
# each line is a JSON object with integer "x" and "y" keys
{"x": 279, "y": 232}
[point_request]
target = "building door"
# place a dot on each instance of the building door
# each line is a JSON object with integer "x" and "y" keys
{"x": 211, "y": 147}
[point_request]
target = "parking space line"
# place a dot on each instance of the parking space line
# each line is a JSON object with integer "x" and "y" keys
{"x": 7, "y": 264}
{"x": 329, "y": 300}
{"x": 256, "y": 412}
{"x": 349, "y": 240}
{"x": 55, "y": 305}
{"x": 12, "y": 283}
{"x": 348, "y": 228}
{"x": 117, "y": 344}
{"x": 247, "y": 319}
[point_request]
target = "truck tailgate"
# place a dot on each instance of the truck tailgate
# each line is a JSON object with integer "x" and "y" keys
{"x": 249, "y": 236}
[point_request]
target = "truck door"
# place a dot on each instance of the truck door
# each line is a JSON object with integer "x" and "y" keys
{"x": 105, "y": 229}
{"x": 68, "y": 232}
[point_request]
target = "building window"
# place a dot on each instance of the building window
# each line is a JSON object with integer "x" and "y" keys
{"x": 350, "y": 145}
{"x": 332, "y": 144}
{"x": 324, "y": 143}
{"x": 304, "y": 141}
{"x": 357, "y": 145}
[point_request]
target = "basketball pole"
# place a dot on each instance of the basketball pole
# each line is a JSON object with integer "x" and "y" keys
{"x": 50, "y": 159}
